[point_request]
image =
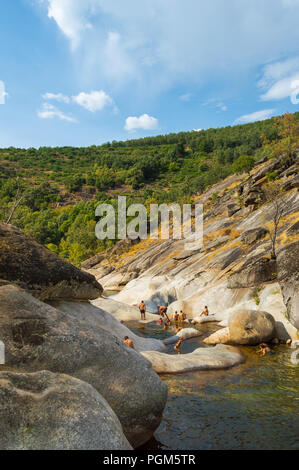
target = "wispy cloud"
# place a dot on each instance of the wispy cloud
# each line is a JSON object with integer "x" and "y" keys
{"x": 49, "y": 112}
{"x": 280, "y": 80}
{"x": 256, "y": 116}
{"x": 3, "y": 93}
{"x": 136, "y": 40}
{"x": 142, "y": 122}
{"x": 56, "y": 97}
{"x": 186, "y": 97}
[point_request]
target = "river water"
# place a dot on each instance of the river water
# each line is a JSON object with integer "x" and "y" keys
{"x": 252, "y": 406}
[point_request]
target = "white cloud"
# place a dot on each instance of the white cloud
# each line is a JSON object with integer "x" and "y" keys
{"x": 72, "y": 17}
{"x": 142, "y": 122}
{"x": 138, "y": 40}
{"x": 257, "y": 116}
{"x": 94, "y": 101}
{"x": 279, "y": 80}
{"x": 57, "y": 97}
{"x": 3, "y": 93}
{"x": 49, "y": 112}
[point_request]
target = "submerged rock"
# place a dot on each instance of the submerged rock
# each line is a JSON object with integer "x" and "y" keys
{"x": 39, "y": 337}
{"x": 219, "y": 357}
{"x": 26, "y": 263}
{"x": 46, "y": 411}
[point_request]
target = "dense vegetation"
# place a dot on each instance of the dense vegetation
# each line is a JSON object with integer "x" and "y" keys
{"x": 51, "y": 193}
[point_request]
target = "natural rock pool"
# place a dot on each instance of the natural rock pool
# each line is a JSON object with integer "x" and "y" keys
{"x": 251, "y": 406}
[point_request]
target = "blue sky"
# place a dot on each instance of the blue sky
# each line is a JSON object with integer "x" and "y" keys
{"x": 84, "y": 72}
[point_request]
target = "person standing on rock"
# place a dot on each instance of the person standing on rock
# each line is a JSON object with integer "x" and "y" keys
{"x": 128, "y": 342}
{"x": 142, "y": 309}
{"x": 182, "y": 316}
{"x": 176, "y": 317}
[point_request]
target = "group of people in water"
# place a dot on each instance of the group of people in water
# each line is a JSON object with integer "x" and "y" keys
{"x": 177, "y": 319}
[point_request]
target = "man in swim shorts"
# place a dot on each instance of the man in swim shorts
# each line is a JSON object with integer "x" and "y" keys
{"x": 142, "y": 309}
{"x": 176, "y": 316}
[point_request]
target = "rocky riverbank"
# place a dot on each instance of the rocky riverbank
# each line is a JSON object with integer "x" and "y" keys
{"x": 65, "y": 352}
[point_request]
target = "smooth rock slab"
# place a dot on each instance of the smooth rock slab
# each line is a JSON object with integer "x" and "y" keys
{"x": 122, "y": 311}
{"x": 103, "y": 319}
{"x": 218, "y": 357}
{"x": 46, "y": 411}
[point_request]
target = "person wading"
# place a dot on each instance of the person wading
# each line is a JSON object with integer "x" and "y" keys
{"x": 177, "y": 347}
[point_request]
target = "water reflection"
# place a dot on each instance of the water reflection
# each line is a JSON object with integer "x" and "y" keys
{"x": 252, "y": 406}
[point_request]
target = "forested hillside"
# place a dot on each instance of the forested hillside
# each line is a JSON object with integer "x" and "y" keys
{"x": 51, "y": 193}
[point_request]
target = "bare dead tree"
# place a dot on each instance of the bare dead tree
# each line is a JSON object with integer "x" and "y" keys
{"x": 273, "y": 193}
{"x": 17, "y": 201}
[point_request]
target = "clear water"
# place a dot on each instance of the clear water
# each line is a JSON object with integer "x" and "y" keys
{"x": 252, "y": 406}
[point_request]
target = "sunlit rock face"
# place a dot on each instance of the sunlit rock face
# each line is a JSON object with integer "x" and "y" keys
{"x": 233, "y": 270}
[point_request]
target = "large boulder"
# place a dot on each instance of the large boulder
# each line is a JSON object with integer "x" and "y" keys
{"x": 39, "y": 337}
{"x": 288, "y": 277}
{"x": 46, "y": 411}
{"x": 251, "y": 327}
{"x": 26, "y": 263}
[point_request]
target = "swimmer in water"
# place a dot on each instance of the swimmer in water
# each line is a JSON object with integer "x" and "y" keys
{"x": 264, "y": 349}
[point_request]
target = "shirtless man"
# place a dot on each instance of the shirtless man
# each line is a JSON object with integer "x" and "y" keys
{"x": 182, "y": 316}
{"x": 177, "y": 347}
{"x": 176, "y": 316}
{"x": 205, "y": 312}
{"x": 162, "y": 309}
{"x": 128, "y": 342}
{"x": 142, "y": 309}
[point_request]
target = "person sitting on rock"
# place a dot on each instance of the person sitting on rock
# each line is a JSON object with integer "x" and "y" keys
{"x": 205, "y": 312}
{"x": 142, "y": 309}
{"x": 264, "y": 349}
{"x": 177, "y": 347}
{"x": 128, "y": 342}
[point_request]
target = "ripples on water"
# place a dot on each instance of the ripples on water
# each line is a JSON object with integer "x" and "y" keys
{"x": 252, "y": 406}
